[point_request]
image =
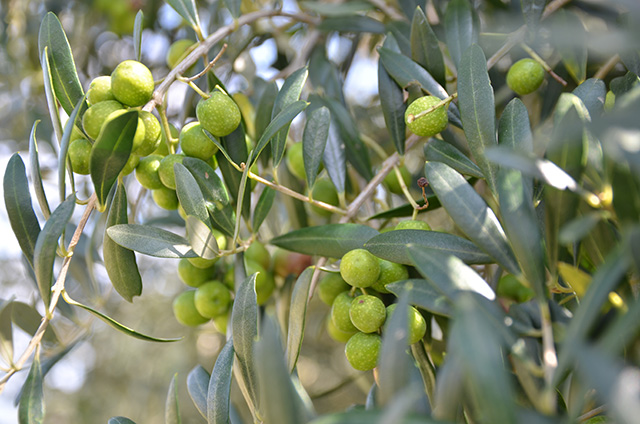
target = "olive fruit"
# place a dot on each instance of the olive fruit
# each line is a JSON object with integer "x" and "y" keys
{"x": 184, "y": 309}
{"x": 367, "y": 313}
{"x": 429, "y": 124}
{"x": 359, "y": 268}
{"x": 212, "y": 299}
{"x": 362, "y": 350}
{"x": 132, "y": 83}
{"x": 192, "y": 275}
{"x": 413, "y": 224}
{"x": 331, "y": 286}
{"x": 218, "y": 114}
{"x": 525, "y": 76}
{"x": 79, "y": 155}
{"x": 340, "y": 313}
{"x": 416, "y": 323}
{"x": 195, "y": 143}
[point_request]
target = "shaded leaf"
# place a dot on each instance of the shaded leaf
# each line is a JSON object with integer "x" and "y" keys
{"x": 570, "y": 38}
{"x": 265, "y": 202}
{"x": 297, "y": 317}
{"x": 289, "y": 94}
{"x": 407, "y": 208}
{"x": 198, "y": 387}
{"x": 334, "y": 158}
{"x": 423, "y": 294}
{"x": 137, "y": 35}
{"x": 477, "y": 108}
{"x": 441, "y": 151}
{"x": 514, "y": 131}
{"x": 353, "y": 23}
{"x": 62, "y": 67}
{"x": 264, "y": 108}
{"x": 6, "y": 332}
{"x": 592, "y": 93}
{"x": 31, "y": 408}
{"x": 462, "y": 27}
{"x": 36, "y": 176}
{"x": 120, "y": 420}
{"x": 470, "y": 213}
{"x": 171, "y": 407}
{"x": 151, "y": 241}
{"x": 189, "y": 192}
{"x": 234, "y": 7}
{"x": 219, "y": 389}
{"x": 187, "y": 9}
{"x": 336, "y": 9}
{"x": 235, "y": 146}
{"x": 332, "y": 240}
{"x": 115, "y": 324}
{"x": 391, "y": 246}
{"x": 401, "y": 32}
{"x": 425, "y": 48}
{"x": 578, "y": 228}
{"x": 201, "y": 238}
{"x": 44, "y": 253}
{"x": 110, "y": 153}
{"x": 120, "y": 262}
{"x": 532, "y": 12}
{"x": 314, "y": 140}
{"x": 17, "y": 200}
{"x": 393, "y": 107}
{"x": 361, "y": 416}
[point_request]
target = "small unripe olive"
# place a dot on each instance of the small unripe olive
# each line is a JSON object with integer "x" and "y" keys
{"x": 359, "y": 268}
{"x": 362, "y": 350}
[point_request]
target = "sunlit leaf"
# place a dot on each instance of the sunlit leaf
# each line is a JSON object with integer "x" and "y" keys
{"x": 151, "y": 241}
{"x": 6, "y": 332}
{"x": 198, "y": 387}
{"x": 187, "y": 9}
{"x": 171, "y": 407}
{"x": 334, "y": 158}
{"x": 49, "y": 92}
{"x": 137, "y": 35}
{"x": 120, "y": 420}
{"x": 36, "y": 175}
{"x": 339, "y": 9}
{"x": 462, "y": 27}
{"x": 219, "y": 389}
{"x": 289, "y": 94}
{"x": 190, "y": 194}
{"x": 201, "y": 238}
{"x": 332, "y": 240}
{"x": 297, "y": 316}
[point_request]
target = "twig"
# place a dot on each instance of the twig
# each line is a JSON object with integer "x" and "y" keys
{"x": 607, "y": 67}
{"x": 388, "y": 10}
{"x": 549, "y": 357}
{"x": 544, "y": 64}
{"x": 596, "y": 411}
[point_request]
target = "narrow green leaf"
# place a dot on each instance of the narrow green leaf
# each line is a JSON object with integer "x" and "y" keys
{"x": 288, "y": 95}
{"x": 62, "y": 67}
{"x": 190, "y": 194}
{"x": 324, "y": 73}
{"x": 391, "y": 246}
{"x": 332, "y": 240}
{"x": 44, "y": 253}
{"x": 514, "y": 131}
{"x": 448, "y": 272}
{"x": 36, "y": 175}
{"x": 336, "y": 9}
{"x": 264, "y": 108}
{"x": 219, "y": 389}
{"x": 6, "y": 331}
{"x": 234, "y": 7}
{"x": 201, "y": 238}
{"x": 423, "y": 294}
{"x": 188, "y": 10}
{"x": 151, "y": 241}
{"x": 592, "y": 92}
{"x": 64, "y": 148}
{"x": 31, "y": 408}
{"x": 441, "y": 151}
{"x": 214, "y": 193}
{"x": 477, "y": 108}
{"x": 137, "y": 35}
{"x": 49, "y": 91}
{"x": 352, "y": 23}
{"x": 334, "y": 158}
{"x": 394, "y": 360}
{"x": 171, "y": 407}
{"x": 120, "y": 420}
{"x": 198, "y": 387}
{"x": 462, "y": 27}
{"x": 425, "y": 48}
{"x": 244, "y": 325}
{"x": 407, "y": 72}
{"x": 314, "y": 141}
{"x": 470, "y": 213}
{"x": 297, "y": 317}
{"x": 120, "y": 262}
{"x": 281, "y": 120}
{"x": 521, "y": 225}
{"x": 110, "y": 153}
{"x": 393, "y": 107}
{"x": 17, "y": 200}
{"x": 115, "y": 324}
{"x": 570, "y": 38}
{"x": 532, "y": 12}
{"x": 265, "y": 202}
{"x": 401, "y": 32}
{"x": 578, "y": 228}
{"x": 361, "y": 416}
{"x": 280, "y": 401}
{"x": 407, "y": 209}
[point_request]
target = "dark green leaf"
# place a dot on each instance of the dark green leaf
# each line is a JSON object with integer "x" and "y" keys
{"x": 592, "y": 93}
{"x": 423, "y": 294}
{"x": 36, "y": 176}
{"x": 332, "y": 240}
{"x": 265, "y": 202}
{"x": 297, "y": 317}
{"x": 115, "y": 324}
{"x": 120, "y": 420}
{"x": 137, "y": 35}
{"x": 6, "y": 332}
{"x": 281, "y": 120}
{"x": 264, "y": 109}
{"x": 190, "y": 194}
{"x": 394, "y": 360}
{"x": 49, "y": 91}
{"x": 578, "y": 228}
{"x": 171, "y": 407}
{"x": 425, "y": 48}
{"x": 17, "y": 200}
{"x": 29, "y": 319}
{"x": 477, "y": 108}
{"x": 110, "y": 153}
{"x": 407, "y": 208}
{"x": 188, "y": 10}
{"x": 244, "y": 325}
{"x": 324, "y": 73}
{"x": 214, "y": 192}
{"x": 64, "y": 148}
{"x": 448, "y": 272}
{"x": 198, "y": 387}
{"x": 44, "y": 253}
{"x": 514, "y": 131}
{"x": 353, "y": 23}
{"x": 334, "y": 158}
{"x": 219, "y": 389}
{"x": 31, "y": 408}
{"x": 391, "y": 246}
{"x": 570, "y": 39}
{"x": 63, "y": 70}
{"x": 470, "y": 213}
{"x": 336, "y": 9}
{"x": 201, "y": 238}
{"x": 407, "y": 72}
{"x": 234, "y": 7}
{"x": 441, "y": 151}
{"x": 121, "y": 262}
{"x": 314, "y": 140}
{"x": 631, "y": 60}
{"x": 532, "y": 12}
{"x": 393, "y": 107}
{"x": 151, "y": 241}
{"x": 521, "y": 225}
{"x": 462, "y": 27}
{"x": 361, "y": 416}
{"x": 279, "y": 399}
{"x": 288, "y": 95}
{"x": 401, "y": 32}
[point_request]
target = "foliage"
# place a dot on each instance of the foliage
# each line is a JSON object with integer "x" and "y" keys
{"x": 527, "y": 284}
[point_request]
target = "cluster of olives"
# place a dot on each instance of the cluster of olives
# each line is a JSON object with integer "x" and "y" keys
{"x": 360, "y": 303}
